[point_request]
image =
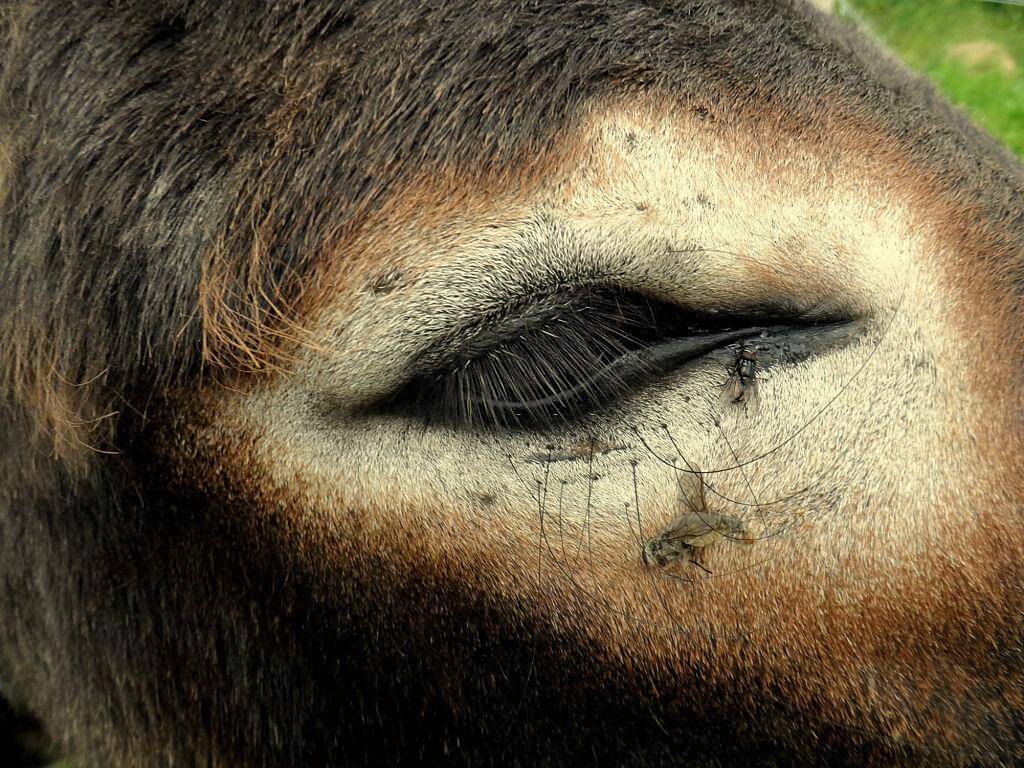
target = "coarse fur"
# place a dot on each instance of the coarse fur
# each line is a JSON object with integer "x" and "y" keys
{"x": 230, "y": 231}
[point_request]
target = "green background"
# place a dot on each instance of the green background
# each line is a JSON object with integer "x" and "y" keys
{"x": 973, "y": 50}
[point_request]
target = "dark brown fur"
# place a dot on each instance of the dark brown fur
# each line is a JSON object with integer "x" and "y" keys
{"x": 172, "y": 176}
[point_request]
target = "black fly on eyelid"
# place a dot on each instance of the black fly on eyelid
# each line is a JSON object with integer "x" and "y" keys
{"x": 741, "y": 385}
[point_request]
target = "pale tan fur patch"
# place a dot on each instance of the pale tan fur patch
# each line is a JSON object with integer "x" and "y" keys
{"x": 859, "y": 472}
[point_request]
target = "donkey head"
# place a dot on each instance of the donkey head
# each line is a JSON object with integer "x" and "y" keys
{"x": 354, "y": 354}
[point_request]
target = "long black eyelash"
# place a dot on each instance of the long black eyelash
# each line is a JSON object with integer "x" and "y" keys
{"x": 561, "y": 359}
{"x": 554, "y": 370}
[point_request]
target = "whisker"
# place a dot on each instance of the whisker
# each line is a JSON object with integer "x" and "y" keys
{"x": 743, "y": 470}
{"x": 716, "y": 492}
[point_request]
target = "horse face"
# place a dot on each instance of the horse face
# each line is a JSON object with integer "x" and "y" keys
{"x": 421, "y": 324}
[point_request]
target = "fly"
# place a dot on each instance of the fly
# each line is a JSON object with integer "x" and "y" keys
{"x": 684, "y": 540}
{"x": 741, "y": 386}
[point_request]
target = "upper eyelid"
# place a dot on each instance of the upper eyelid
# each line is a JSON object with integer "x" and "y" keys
{"x": 448, "y": 310}
{"x": 483, "y": 332}
{"x": 454, "y": 324}
{"x": 527, "y": 304}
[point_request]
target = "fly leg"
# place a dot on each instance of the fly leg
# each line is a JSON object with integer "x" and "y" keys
{"x": 697, "y": 557}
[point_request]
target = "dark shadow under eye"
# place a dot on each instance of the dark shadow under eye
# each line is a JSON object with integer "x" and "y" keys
{"x": 560, "y": 357}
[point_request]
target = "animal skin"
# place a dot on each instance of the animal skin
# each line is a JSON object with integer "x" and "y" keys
{"x": 232, "y": 232}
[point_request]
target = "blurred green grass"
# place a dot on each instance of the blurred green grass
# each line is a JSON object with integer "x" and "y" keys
{"x": 973, "y": 50}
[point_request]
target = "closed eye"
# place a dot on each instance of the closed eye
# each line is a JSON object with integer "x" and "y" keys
{"x": 556, "y": 358}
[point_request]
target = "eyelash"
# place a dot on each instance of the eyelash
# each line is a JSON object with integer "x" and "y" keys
{"x": 556, "y": 370}
{"x": 578, "y": 353}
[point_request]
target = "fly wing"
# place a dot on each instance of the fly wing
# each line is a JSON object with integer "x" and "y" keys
{"x": 691, "y": 489}
{"x": 732, "y": 391}
{"x": 686, "y": 528}
{"x": 750, "y": 398}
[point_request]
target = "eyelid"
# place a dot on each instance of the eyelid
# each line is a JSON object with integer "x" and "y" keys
{"x": 491, "y": 328}
{"x": 524, "y": 311}
{"x": 560, "y": 356}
